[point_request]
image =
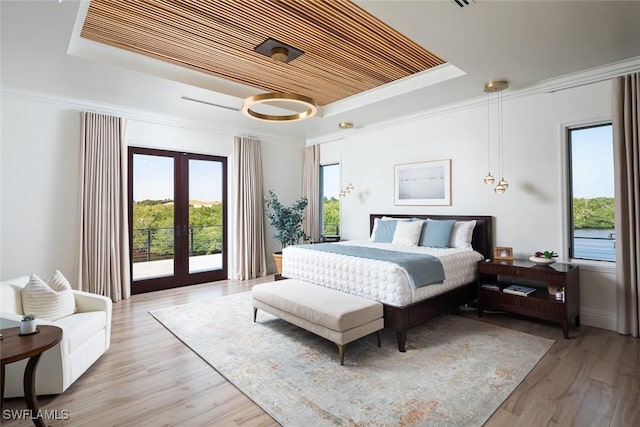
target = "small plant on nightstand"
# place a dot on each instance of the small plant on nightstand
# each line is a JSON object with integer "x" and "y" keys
{"x": 28, "y": 324}
{"x": 546, "y": 254}
{"x": 544, "y": 258}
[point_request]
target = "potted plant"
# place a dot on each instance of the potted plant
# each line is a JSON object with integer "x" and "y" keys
{"x": 287, "y": 220}
{"x": 28, "y": 324}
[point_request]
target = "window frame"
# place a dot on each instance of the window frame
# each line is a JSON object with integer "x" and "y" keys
{"x": 567, "y": 191}
{"x": 321, "y": 203}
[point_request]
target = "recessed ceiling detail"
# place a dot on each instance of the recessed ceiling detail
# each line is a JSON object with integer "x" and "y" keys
{"x": 346, "y": 50}
{"x": 278, "y": 51}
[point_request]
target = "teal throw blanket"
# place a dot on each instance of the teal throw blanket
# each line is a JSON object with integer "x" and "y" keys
{"x": 423, "y": 269}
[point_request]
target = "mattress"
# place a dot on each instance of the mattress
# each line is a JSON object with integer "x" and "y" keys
{"x": 378, "y": 280}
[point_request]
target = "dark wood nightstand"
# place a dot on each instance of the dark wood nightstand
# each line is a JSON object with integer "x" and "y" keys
{"x": 541, "y": 304}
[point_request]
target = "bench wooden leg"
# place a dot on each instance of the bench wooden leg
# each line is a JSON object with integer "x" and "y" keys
{"x": 255, "y": 314}
{"x": 341, "y": 353}
{"x": 378, "y": 335}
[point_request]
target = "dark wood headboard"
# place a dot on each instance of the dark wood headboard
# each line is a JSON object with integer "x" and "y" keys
{"x": 482, "y": 240}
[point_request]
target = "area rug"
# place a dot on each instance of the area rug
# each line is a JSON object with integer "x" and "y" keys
{"x": 455, "y": 372}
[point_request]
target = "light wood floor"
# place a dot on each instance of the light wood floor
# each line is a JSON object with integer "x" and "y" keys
{"x": 148, "y": 377}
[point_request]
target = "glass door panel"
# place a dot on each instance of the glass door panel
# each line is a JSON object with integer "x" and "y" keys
{"x": 153, "y": 220}
{"x": 177, "y": 218}
{"x": 206, "y": 211}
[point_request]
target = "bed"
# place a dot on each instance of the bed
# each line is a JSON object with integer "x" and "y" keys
{"x": 405, "y": 306}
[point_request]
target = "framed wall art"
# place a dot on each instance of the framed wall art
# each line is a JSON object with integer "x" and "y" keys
{"x": 424, "y": 183}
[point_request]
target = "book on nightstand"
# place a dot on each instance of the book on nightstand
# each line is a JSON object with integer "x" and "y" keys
{"x": 523, "y": 291}
{"x": 491, "y": 286}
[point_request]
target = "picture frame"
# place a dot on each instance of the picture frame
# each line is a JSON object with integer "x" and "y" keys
{"x": 503, "y": 253}
{"x": 423, "y": 183}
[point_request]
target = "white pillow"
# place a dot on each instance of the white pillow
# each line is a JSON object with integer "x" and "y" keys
{"x": 48, "y": 301}
{"x": 462, "y": 234}
{"x": 384, "y": 218}
{"x": 407, "y": 233}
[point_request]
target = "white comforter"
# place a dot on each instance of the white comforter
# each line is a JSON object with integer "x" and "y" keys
{"x": 378, "y": 280}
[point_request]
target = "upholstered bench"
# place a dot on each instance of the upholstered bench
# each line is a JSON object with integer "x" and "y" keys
{"x": 334, "y": 315}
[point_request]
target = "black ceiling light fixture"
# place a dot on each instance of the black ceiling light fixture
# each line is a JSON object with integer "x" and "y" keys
{"x": 463, "y": 3}
{"x": 278, "y": 51}
{"x": 284, "y": 53}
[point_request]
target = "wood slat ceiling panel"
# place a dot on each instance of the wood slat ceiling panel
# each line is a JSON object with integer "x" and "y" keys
{"x": 346, "y": 50}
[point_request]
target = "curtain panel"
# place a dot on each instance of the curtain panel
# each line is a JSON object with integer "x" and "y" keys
{"x": 311, "y": 190}
{"x": 104, "y": 232}
{"x": 250, "y": 252}
{"x": 626, "y": 145}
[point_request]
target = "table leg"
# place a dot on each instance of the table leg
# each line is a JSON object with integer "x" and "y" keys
{"x": 29, "y": 384}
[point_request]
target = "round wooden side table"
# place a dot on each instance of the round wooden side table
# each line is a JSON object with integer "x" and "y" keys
{"x": 15, "y": 347}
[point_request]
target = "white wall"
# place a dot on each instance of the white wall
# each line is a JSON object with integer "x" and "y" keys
{"x": 39, "y": 188}
{"x": 39, "y": 179}
{"x": 528, "y": 217}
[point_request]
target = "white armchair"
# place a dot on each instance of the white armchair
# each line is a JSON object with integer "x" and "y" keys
{"x": 86, "y": 335}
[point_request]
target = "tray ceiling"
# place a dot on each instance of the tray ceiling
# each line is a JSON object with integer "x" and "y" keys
{"x": 346, "y": 50}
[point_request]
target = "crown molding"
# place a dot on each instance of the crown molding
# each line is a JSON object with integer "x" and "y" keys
{"x": 426, "y": 78}
{"x": 139, "y": 115}
{"x": 592, "y": 75}
{"x": 569, "y": 81}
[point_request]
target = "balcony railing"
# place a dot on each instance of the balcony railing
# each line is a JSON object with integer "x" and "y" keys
{"x": 151, "y": 244}
{"x": 330, "y": 229}
{"x": 595, "y": 248}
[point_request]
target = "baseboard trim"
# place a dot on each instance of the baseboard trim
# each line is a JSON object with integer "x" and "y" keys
{"x": 598, "y": 318}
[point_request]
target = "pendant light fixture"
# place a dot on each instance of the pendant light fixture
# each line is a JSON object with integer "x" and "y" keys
{"x": 491, "y": 87}
{"x": 489, "y": 179}
{"x": 305, "y": 106}
{"x": 347, "y": 126}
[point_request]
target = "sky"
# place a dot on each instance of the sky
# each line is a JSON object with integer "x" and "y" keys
{"x": 153, "y": 179}
{"x": 331, "y": 174}
{"x": 592, "y": 157}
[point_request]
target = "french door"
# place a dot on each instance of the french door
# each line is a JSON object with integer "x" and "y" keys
{"x": 177, "y": 218}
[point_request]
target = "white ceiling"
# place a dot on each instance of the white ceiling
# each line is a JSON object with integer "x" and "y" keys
{"x": 524, "y": 42}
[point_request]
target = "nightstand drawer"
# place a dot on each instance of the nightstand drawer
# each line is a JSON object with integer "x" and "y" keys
{"x": 541, "y": 305}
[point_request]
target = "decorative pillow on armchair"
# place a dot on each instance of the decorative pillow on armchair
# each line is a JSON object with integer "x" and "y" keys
{"x": 49, "y": 301}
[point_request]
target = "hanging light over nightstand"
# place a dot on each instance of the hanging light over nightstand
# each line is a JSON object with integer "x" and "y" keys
{"x": 491, "y": 87}
{"x": 489, "y": 179}
{"x": 347, "y": 126}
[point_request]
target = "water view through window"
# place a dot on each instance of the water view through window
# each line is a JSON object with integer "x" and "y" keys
{"x": 592, "y": 188}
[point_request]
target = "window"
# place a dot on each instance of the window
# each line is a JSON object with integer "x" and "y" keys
{"x": 329, "y": 201}
{"x": 591, "y": 193}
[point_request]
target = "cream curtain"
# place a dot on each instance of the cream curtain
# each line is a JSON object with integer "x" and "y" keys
{"x": 311, "y": 190}
{"x": 104, "y": 232}
{"x": 250, "y": 256}
{"x": 626, "y": 143}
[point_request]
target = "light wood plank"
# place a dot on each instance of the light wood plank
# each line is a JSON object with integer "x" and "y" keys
{"x": 346, "y": 49}
{"x": 148, "y": 377}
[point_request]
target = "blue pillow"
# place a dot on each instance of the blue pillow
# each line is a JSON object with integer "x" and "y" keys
{"x": 436, "y": 233}
{"x": 384, "y": 231}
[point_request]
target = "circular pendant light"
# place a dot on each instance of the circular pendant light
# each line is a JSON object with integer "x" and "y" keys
{"x": 280, "y": 97}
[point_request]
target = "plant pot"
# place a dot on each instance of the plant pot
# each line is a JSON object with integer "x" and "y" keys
{"x": 541, "y": 260}
{"x": 277, "y": 257}
{"x": 27, "y": 327}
